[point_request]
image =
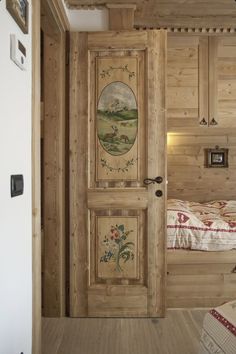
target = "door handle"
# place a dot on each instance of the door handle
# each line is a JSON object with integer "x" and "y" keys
{"x": 158, "y": 179}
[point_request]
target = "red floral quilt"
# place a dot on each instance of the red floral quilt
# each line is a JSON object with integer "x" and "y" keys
{"x": 201, "y": 226}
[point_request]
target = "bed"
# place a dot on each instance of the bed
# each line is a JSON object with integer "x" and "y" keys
{"x": 201, "y": 254}
{"x": 205, "y": 227}
{"x": 219, "y": 330}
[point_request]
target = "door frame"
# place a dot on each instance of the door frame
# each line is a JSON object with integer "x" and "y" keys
{"x": 59, "y": 14}
{"x": 53, "y": 160}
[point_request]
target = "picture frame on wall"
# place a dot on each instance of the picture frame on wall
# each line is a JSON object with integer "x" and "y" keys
{"x": 19, "y": 10}
{"x": 216, "y": 157}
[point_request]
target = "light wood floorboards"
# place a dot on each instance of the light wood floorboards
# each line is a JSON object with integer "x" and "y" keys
{"x": 178, "y": 333}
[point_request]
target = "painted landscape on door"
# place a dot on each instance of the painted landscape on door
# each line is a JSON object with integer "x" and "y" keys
{"x": 117, "y": 118}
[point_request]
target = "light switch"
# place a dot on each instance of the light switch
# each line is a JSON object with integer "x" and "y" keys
{"x": 17, "y": 185}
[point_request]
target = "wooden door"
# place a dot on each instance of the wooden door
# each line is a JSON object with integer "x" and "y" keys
{"x": 187, "y": 81}
{"x": 222, "y": 81}
{"x": 117, "y": 139}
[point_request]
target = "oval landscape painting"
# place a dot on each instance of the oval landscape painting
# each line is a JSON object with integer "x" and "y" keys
{"x": 117, "y": 118}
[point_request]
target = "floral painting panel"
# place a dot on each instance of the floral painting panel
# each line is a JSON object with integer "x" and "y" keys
{"x": 117, "y": 247}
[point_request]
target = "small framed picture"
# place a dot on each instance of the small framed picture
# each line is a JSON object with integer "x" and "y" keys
{"x": 19, "y": 10}
{"x": 216, "y": 157}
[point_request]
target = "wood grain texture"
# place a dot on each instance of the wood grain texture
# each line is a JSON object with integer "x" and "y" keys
{"x": 126, "y": 336}
{"x": 156, "y": 147}
{"x": 187, "y": 80}
{"x": 200, "y": 279}
{"x": 60, "y": 13}
{"x": 211, "y": 96}
{"x": 113, "y": 200}
{"x": 119, "y": 198}
{"x": 189, "y": 179}
{"x": 225, "y": 74}
{"x": 78, "y": 175}
{"x": 36, "y": 189}
{"x": 121, "y": 18}
{"x": 213, "y": 92}
{"x": 53, "y": 162}
{"x": 174, "y": 13}
{"x": 198, "y": 257}
{"x": 203, "y": 73}
{"x": 118, "y": 40}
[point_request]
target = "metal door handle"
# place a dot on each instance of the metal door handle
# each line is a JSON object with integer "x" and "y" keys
{"x": 158, "y": 179}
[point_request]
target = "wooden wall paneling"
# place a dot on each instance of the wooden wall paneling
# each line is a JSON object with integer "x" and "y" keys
{"x": 198, "y": 257}
{"x": 206, "y": 290}
{"x": 174, "y": 13}
{"x": 121, "y": 16}
{"x": 78, "y": 173}
{"x": 188, "y": 178}
{"x": 205, "y": 91}
{"x": 196, "y": 278}
{"x": 36, "y": 209}
{"x": 156, "y": 247}
{"x": 132, "y": 39}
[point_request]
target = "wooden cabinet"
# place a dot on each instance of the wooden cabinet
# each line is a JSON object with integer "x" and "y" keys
{"x": 201, "y": 82}
{"x": 222, "y": 65}
{"x": 187, "y": 87}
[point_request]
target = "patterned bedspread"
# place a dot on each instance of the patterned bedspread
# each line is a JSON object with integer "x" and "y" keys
{"x": 206, "y": 227}
{"x": 219, "y": 330}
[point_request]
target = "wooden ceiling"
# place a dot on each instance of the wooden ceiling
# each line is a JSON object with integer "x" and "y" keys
{"x": 174, "y": 13}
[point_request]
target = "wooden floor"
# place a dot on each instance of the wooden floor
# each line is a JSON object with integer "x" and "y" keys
{"x": 178, "y": 333}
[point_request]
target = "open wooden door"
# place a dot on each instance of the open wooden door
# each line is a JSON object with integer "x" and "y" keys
{"x": 117, "y": 139}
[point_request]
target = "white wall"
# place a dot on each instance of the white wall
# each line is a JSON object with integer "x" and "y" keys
{"x": 15, "y": 213}
{"x": 88, "y": 20}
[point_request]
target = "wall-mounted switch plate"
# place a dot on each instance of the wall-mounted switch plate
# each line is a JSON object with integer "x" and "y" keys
{"x": 18, "y": 52}
{"x": 17, "y": 185}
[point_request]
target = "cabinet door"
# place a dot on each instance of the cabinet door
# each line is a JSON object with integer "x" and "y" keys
{"x": 187, "y": 81}
{"x": 222, "y": 81}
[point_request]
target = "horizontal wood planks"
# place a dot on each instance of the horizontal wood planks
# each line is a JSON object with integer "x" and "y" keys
{"x": 174, "y": 13}
{"x": 200, "y": 279}
{"x": 118, "y": 198}
{"x": 189, "y": 179}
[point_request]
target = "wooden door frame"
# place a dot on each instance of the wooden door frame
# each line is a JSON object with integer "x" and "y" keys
{"x": 61, "y": 18}
{"x": 53, "y": 28}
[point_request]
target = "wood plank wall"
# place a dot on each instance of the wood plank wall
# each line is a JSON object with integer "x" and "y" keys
{"x": 174, "y": 13}
{"x": 188, "y": 179}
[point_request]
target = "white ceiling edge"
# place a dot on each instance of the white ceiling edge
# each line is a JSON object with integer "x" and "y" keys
{"x": 87, "y": 20}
